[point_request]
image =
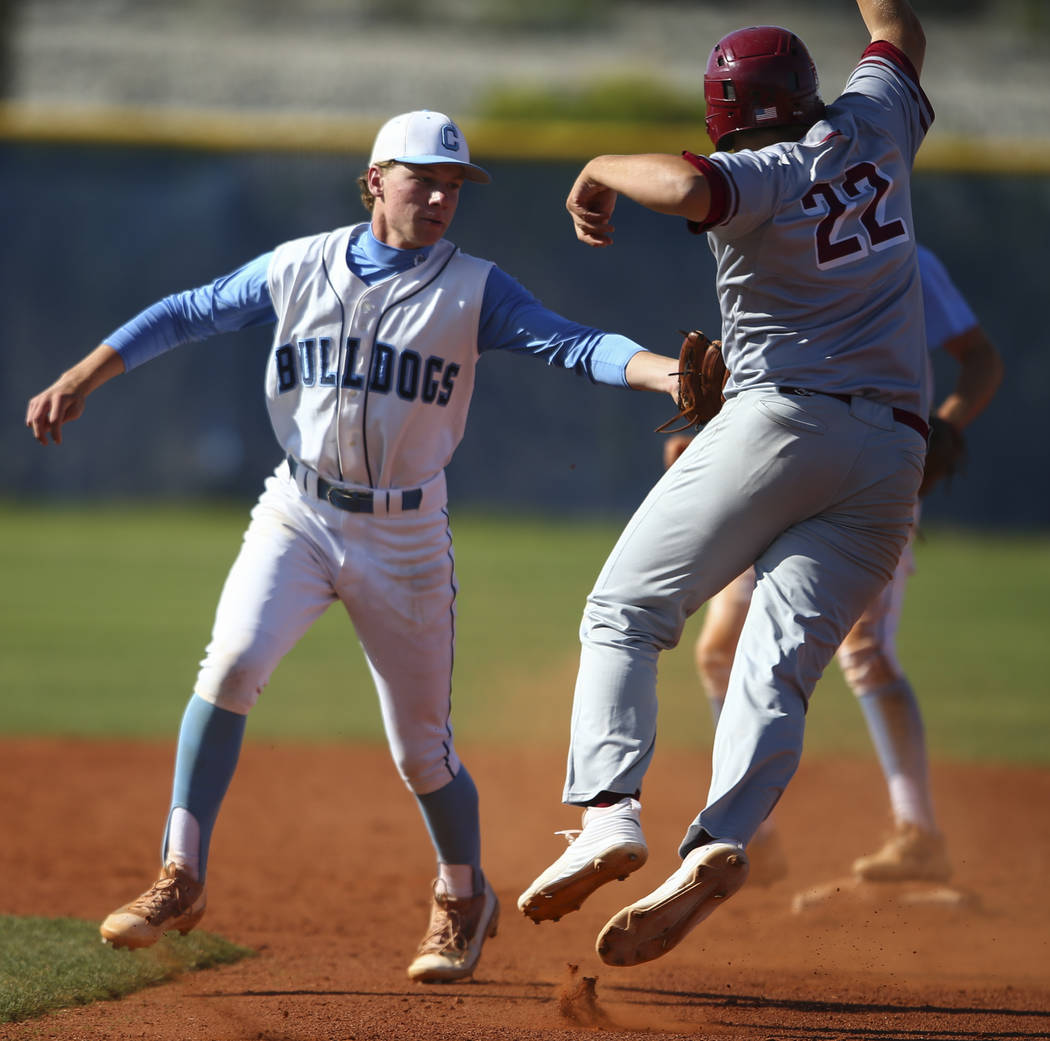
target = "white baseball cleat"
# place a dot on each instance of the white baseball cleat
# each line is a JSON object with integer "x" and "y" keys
{"x": 175, "y": 901}
{"x": 609, "y": 847}
{"x": 451, "y": 948}
{"x": 652, "y": 926}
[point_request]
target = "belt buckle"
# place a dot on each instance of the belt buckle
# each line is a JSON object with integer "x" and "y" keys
{"x": 351, "y": 501}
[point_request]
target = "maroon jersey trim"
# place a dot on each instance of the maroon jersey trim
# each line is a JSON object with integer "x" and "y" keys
{"x": 723, "y": 196}
{"x": 887, "y": 52}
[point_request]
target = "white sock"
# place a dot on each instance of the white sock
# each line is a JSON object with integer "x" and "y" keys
{"x": 897, "y": 732}
{"x": 184, "y": 842}
{"x": 458, "y": 880}
{"x": 593, "y": 812}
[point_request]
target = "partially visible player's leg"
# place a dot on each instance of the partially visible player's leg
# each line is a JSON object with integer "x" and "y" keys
{"x": 916, "y": 850}
{"x": 715, "y": 650}
{"x": 273, "y": 593}
{"x": 410, "y": 647}
{"x": 716, "y": 645}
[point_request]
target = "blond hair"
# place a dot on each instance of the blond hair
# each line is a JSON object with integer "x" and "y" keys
{"x": 368, "y": 200}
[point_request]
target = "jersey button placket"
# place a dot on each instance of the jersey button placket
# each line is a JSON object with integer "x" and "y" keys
{"x": 362, "y": 327}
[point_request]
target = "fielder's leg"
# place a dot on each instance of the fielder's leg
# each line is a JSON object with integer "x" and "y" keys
{"x": 409, "y": 645}
{"x": 916, "y": 850}
{"x": 275, "y": 590}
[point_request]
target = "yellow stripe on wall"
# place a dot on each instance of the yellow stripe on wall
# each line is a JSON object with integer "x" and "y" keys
{"x": 234, "y": 131}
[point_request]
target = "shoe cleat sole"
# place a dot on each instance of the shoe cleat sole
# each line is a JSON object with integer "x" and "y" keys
{"x": 644, "y": 932}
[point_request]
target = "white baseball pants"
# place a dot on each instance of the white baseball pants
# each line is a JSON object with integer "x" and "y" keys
{"x": 394, "y": 574}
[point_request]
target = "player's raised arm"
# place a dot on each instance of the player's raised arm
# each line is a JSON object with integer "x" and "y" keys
{"x": 895, "y": 22}
{"x": 64, "y": 399}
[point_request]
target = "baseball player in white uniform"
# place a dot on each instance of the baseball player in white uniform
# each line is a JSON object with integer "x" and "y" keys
{"x": 809, "y": 472}
{"x": 916, "y": 849}
{"x": 378, "y": 328}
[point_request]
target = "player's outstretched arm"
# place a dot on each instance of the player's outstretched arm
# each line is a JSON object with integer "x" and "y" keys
{"x": 648, "y": 371}
{"x": 895, "y": 22}
{"x": 64, "y": 399}
{"x": 663, "y": 183}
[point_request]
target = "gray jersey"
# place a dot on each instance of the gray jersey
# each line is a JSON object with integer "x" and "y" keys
{"x": 828, "y": 223}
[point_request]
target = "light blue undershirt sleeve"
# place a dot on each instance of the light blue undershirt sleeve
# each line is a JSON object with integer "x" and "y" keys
{"x": 512, "y": 319}
{"x": 945, "y": 309}
{"x": 235, "y": 301}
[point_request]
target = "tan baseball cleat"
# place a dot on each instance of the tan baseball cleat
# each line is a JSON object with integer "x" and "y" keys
{"x": 657, "y": 923}
{"x": 452, "y": 945}
{"x": 175, "y": 901}
{"x": 910, "y": 855}
{"x": 608, "y": 848}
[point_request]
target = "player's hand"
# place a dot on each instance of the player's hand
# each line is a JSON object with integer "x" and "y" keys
{"x": 51, "y": 408}
{"x": 591, "y": 205}
{"x": 64, "y": 399}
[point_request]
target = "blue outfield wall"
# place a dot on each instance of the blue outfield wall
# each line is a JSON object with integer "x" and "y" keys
{"x": 91, "y": 234}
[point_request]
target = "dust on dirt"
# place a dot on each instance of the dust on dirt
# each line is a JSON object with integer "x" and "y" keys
{"x": 320, "y": 862}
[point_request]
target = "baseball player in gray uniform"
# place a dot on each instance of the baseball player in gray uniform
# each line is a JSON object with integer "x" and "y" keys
{"x": 378, "y": 329}
{"x": 809, "y": 472}
{"x": 916, "y": 848}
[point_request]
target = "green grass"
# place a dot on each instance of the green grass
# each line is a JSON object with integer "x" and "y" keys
{"x": 52, "y": 963}
{"x": 107, "y": 612}
{"x": 622, "y": 98}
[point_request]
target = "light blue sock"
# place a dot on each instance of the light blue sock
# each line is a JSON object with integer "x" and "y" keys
{"x": 209, "y": 747}
{"x": 451, "y": 816}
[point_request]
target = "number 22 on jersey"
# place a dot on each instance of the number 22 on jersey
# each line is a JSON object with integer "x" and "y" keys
{"x": 844, "y": 235}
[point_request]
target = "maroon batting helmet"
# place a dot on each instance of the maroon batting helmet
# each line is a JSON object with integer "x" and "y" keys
{"x": 760, "y": 77}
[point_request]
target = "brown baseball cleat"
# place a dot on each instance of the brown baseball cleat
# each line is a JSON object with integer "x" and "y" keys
{"x": 910, "y": 855}
{"x": 657, "y": 923}
{"x": 452, "y": 945}
{"x": 175, "y": 901}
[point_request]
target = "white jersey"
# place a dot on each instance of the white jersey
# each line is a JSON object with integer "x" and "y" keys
{"x": 828, "y": 223}
{"x": 348, "y": 395}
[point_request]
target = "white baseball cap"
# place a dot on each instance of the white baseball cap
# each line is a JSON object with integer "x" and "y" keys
{"x": 425, "y": 137}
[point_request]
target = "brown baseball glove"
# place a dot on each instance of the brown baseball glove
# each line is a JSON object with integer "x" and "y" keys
{"x": 945, "y": 454}
{"x": 702, "y": 375}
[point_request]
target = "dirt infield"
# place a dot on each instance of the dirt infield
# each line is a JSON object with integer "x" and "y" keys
{"x": 320, "y": 863}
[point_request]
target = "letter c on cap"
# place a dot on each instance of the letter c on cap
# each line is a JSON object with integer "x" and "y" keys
{"x": 450, "y": 138}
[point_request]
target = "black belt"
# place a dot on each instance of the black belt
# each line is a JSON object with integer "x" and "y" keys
{"x": 909, "y": 419}
{"x": 352, "y": 500}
